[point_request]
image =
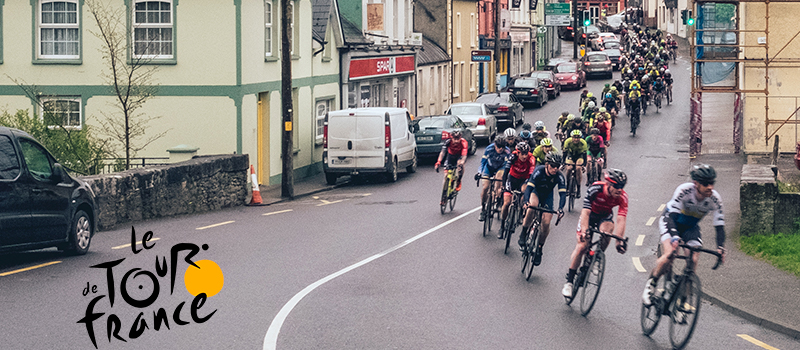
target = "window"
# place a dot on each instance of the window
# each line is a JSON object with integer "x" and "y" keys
{"x": 37, "y": 160}
{"x": 323, "y": 106}
{"x": 153, "y": 34}
{"x": 472, "y": 74}
{"x": 9, "y": 164}
{"x": 292, "y": 32}
{"x": 268, "y": 32}
{"x": 456, "y": 80}
{"x": 64, "y": 111}
{"x": 432, "y": 85}
{"x": 58, "y": 30}
{"x": 472, "y": 26}
{"x": 458, "y": 29}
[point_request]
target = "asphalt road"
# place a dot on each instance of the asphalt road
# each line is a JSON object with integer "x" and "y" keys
{"x": 374, "y": 266}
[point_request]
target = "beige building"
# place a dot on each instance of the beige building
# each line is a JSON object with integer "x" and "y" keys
{"x": 464, "y": 39}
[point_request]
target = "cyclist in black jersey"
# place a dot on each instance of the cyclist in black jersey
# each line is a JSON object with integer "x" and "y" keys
{"x": 539, "y": 193}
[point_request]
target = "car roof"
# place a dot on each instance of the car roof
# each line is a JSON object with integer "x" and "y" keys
{"x": 434, "y": 116}
{"x": 596, "y": 53}
{"x": 467, "y": 104}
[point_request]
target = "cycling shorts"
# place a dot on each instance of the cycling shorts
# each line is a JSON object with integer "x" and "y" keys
{"x": 598, "y": 154}
{"x": 596, "y": 219}
{"x": 514, "y": 184}
{"x": 690, "y": 236}
{"x": 451, "y": 159}
{"x": 493, "y": 172}
{"x": 545, "y": 202}
{"x": 577, "y": 159}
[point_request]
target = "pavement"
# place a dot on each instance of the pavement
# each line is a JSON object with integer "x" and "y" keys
{"x": 745, "y": 286}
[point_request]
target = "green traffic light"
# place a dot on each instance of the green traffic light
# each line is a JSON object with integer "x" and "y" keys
{"x": 587, "y": 22}
{"x": 690, "y": 21}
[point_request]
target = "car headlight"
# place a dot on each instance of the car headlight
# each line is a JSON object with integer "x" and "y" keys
{"x": 574, "y": 78}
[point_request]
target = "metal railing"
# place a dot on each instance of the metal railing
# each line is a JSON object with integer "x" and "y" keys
{"x": 113, "y": 165}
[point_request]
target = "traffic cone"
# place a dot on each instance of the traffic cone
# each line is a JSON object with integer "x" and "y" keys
{"x": 256, "y": 200}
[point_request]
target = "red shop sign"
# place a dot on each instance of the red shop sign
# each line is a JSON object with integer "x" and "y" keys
{"x": 368, "y": 67}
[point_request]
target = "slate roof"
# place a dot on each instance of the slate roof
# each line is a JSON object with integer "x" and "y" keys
{"x": 321, "y": 13}
{"x": 353, "y": 35}
{"x": 431, "y": 53}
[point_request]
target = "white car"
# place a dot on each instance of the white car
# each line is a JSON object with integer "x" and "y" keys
{"x": 597, "y": 43}
{"x": 482, "y": 124}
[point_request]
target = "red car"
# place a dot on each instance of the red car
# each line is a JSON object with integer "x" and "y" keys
{"x": 570, "y": 75}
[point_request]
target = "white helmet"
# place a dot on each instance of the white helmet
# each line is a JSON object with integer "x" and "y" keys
{"x": 538, "y": 125}
{"x": 590, "y": 104}
{"x": 666, "y": 71}
{"x": 510, "y": 132}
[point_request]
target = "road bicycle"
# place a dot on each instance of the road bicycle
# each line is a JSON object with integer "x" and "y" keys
{"x": 657, "y": 101}
{"x": 449, "y": 193}
{"x": 532, "y": 242}
{"x": 590, "y": 275}
{"x": 645, "y": 100}
{"x": 572, "y": 186}
{"x": 668, "y": 92}
{"x": 634, "y": 120}
{"x": 488, "y": 208}
{"x": 677, "y": 295}
{"x": 594, "y": 170}
{"x": 513, "y": 219}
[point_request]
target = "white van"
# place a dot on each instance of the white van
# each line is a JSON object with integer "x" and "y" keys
{"x": 368, "y": 140}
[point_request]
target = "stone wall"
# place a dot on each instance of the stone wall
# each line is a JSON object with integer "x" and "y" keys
{"x": 198, "y": 185}
{"x": 763, "y": 208}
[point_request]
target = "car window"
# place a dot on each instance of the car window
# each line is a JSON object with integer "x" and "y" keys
{"x": 526, "y": 83}
{"x": 597, "y": 58}
{"x": 434, "y": 123}
{"x": 611, "y": 45}
{"x": 466, "y": 110}
{"x": 489, "y": 99}
{"x": 512, "y": 98}
{"x": 9, "y": 164}
{"x": 566, "y": 68}
{"x": 36, "y": 159}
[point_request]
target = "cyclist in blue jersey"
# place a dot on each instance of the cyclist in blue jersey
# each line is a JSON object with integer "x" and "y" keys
{"x": 494, "y": 159}
{"x": 539, "y": 193}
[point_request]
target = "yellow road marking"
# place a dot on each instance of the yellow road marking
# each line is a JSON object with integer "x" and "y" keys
{"x": 366, "y": 194}
{"x": 638, "y": 265}
{"x": 277, "y": 212}
{"x": 324, "y": 202}
{"x": 661, "y": 208}
{"x": 128, "y": 245}
{"x": 215, "y": 225}
{"x": 640, "y": 240}
{"x": 28, "y": 268}
{"x": 651, "y": 221}
{"x": 756, "y": 342}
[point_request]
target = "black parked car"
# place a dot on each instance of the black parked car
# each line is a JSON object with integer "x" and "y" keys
{"x": 40, "y": 204}
{"x": 530, "y": 90}
{"x": 432, "y": 131}
{"x": 504, "y": 106}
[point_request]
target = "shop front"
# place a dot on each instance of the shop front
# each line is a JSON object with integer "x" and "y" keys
{"x": 378, "y": 81}
{"x": 520, "y": 51}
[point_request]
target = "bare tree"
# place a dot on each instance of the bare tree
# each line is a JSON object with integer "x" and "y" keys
{"x": 130, "y": 79}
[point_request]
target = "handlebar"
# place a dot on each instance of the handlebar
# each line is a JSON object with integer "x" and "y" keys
{"x": 478, "y": 182}
{"x": 624, "y": 240}
{"x": 698, "y": 249}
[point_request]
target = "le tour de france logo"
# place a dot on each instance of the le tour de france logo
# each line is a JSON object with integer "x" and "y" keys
{"x": 202, "y": 278}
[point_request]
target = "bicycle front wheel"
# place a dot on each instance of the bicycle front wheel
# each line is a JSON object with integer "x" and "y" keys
{"x": 684, "y": 310}
{"x": 527, "y": 256}
{"x": 651, "y": 314}
{"x": 443, "y": 202}
{"x": 453, "y": 198}
{"x": 511, "y": 221}
{"x": 487, "y": 215}
{"x": 592, "y": 282}
{"x": 533, "y": 249}
{"x": 572, "y": 190}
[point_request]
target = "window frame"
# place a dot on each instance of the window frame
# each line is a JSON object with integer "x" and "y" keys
{"x": 131, "y": 21}
{"x": 37, "y": 57}
{"x": 70, "y": 98}
{"x": 269, "y": 39}
{"x": 319, "y": 129}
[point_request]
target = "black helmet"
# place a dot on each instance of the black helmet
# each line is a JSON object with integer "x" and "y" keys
{"x": 594, "y": 131}
{"x": 523, "y": 147}
{"x": 526, "y": 126}
{"x": 553, "y": 159}
{"x": 499, "y": 141}
{"x": 456, "y": 133}
{"x": 704, "y": 174}
{"x": 617, "y": 178}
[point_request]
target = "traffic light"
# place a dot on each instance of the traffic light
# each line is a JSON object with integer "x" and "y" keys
{"x": 689, "y": 18}
{"x": 683, "y": 16}
{"x": 587, "y": 20}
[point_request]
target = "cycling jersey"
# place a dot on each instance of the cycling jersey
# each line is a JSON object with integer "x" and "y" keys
{"x": 605, "y": 129}
{"x": 572, "y": 148}
{"x": 690, "y": 210}
{"x": 517, "y": 168}
{"x": 544, "y": 184}
{"x": 601, "y": 203}
{"x": 539, "y": 154}
{"x": 538, "y": 136}
{"x": 595, "y": 143}
{"x": 456, "y": 148}
{"x": 658, "y": 85}
{"x": 492, "y": 160}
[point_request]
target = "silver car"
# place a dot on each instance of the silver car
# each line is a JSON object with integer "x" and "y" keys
{"x": 482, "y": 124}
{"x": 597, "y": 63}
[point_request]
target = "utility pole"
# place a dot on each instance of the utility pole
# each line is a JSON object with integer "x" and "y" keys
{"x": 497, "y": 44}
{"x": 287, "y": 176}
{"x": 575, "y": 29}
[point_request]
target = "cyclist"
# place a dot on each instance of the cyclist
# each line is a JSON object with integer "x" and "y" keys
{"x": 634, "y": 102}
{"x": 456, "y": 149}
{"x": 598, "y": 206}
{"x": 539, "y": 193}
{"x": 604, "y": 126}
{"x": 539, "y": 133}
{"x": 668, "y": 83}
{"x": 545, "y": 147}
{"x": 527, "y": 136}
{"x": 658, "y": 87}
{"x": 575, "y": 149}
{"x": 518, "y": 168}
{"x": 562, "y": 121}
{"x": 606, "y": 89}
{"x": 494, "y": 158}
{"x": 596, "y": 149}
{"x": 511, "y": 137}
{"x": 689, "y": 204}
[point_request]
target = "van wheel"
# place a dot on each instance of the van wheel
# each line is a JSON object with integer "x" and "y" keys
{"x": 80, "y": 234}
{"x": 391, "y": 175}
{"x": 413, "y": 167}
{"x": 330, "y": 178}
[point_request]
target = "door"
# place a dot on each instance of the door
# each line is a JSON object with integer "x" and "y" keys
{"x": 262, "y": 153}
{"x": 341, "y": 139}
{"x": 15, "y": 213}
{"x": 49, "y": 200}
{"x": 370, "y": 141}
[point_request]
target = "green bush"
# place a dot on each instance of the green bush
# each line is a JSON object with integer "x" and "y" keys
{"x": 781, "y": 250}
{"x": 76, "y": 149}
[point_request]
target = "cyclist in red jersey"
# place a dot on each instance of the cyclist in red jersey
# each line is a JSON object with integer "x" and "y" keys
{"x": 456, "y": 148}
{"x": 518, "y": 169}
{"x": 598, "y": 206}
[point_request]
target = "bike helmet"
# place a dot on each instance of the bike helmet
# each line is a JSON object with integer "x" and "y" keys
{"x": 617, "y": 178}
{"x": 526, "y": 126}
{"x": 575, "y": 133}
{"x": 525, "y": 134}
{"x": 607, "y": 85}
{"x": 614, "y": 88}
{"x": 553, "y": 159}
{"x": 565, "y": 114}
{"x": 603, "y": 110}
{"x": 666, "y": 71}
{"x": 500, "y": 141}
{"x": 523, "y": 147}
{"x": 546, "y": 142}
{"x": 703, "y": 174}
{"x": 456, "y": 134}
{"x": 594, "y": 131}
{"x": 539, "y": 125}
{"x": 609, "y": 95}
{"x": 510, "y": 132}
{"x": 590, "y": 104}
{"x": 589, "y": 95}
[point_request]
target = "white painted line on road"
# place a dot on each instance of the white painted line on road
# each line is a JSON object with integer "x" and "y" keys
{"x": 128, "y": 245}
{"x": 215, "y": 225}
{"x": 638, "y": 265}
{"x": 640, "y": 240}
{"x": 661, "y": 208}
{"x": 366, "y": 194}
{"x": 651, "y": 221}
{"x": 756, "y": 342}
{"x": 28, "y": 268}
{"x": 271, "y": 338}
{"x": 324, "y": 202}
{"x": 277, "y": 212}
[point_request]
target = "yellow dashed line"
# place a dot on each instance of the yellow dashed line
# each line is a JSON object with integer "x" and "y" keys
{"x": 28, "y": 268}
{"x": 277, "y": 212}
{"x": 661, "y": 208}
{"x": 128, "y": 245}
{"x": 638, "y": 265}
{"x": 651, "y": 221}
{"x": 215, "y": 225}
{"x": 640, "y": 240}
{"x": 756, "y": 341}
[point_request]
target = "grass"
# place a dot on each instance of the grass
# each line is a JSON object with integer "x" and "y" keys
{"x": 781, "y": 250}
{"x": 788, "y": 187}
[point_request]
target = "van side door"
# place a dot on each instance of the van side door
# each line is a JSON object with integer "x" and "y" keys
{"x": 50, "y": 199}
{"x": 15, "y": 216}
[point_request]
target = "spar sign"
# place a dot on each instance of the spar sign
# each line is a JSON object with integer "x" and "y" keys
{"x": 373, "y": 67}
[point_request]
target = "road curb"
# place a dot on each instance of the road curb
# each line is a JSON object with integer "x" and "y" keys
{"x": 268, "y": 202}
{"x": 758, "y": 320}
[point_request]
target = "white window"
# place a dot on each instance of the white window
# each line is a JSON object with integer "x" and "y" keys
{"x": 153, "y": 29}
{"x": 268, "y": 28}
{"x": 323, "y": 107}
{"x": 62, "y": 110}
{"x": 472, "y": 27}
{"x": 432, "y": 85}
{"x": 456, "y": 80}
{"x": 292, "y": 33}
{"x": 472, "y": 75}
{"x": 59, "y": 35}
{"x": 458, "y": 29}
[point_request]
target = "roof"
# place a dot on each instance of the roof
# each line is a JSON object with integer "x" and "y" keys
{"x": 431, "y": 53}
{"x": 321, "y": 13}
{"x": 353, "y": 35}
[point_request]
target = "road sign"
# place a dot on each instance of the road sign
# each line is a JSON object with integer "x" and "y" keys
{"x": 557, "y": 14}
{"x": 481, "y": 55}
{"x": 542, "y": 30}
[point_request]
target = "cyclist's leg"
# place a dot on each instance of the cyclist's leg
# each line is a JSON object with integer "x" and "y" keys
{"x": 533, "y": 202}
{"x": 484, "y": 190}
{"x": 607, "y": 225}
{"x": 546, "y": 218}
{"x": 579, "y": 169}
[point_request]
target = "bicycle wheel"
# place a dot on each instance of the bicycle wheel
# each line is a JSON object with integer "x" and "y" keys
{"x": 533, "y": 248}
{"x": 443, "y": 203}
{"x": 572, "y": 191}
{"x": 526, "y": 255}
{"x": 576, "y": 285}
{"x": 593, "y": 281}
{"x": 511, "y": 222}
{"x": 453, "y": 198}
{"x": 487, "y": 215}
{"x": 651, "y": 315}
{"x": 684, "y": 310}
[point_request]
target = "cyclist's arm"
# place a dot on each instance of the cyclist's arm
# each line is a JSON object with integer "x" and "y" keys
{"x": 464, "y": 149}
{"x": 444, "y": 150}
{"x": 484, "y": 161}
{"x": 511, "y": 159}
{"x": 562, "y": 191}
{"x": 622, "y": 216}
{"x": 720, "y": 236}
{"x": 529, "y": 188}
{"x": 719, "y": 220}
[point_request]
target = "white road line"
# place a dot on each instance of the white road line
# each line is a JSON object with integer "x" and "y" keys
{"x": 215, "y": 225}
{"x": 756, "y": 342}
{"x": 277, "y": 212}
{"x": 638, "y": 265}
{"x": 28, "y": 268}
{"x": 271, "y": 338}
{"x": 661, "y": 208}
{"x": 324, "y": 202}
{"x": 651, "y": 221}
{"x": 128, "y": 245}
{"x": 640, "y": 240}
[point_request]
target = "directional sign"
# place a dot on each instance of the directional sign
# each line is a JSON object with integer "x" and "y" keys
{"x": 557, "y": 14}
{"x": 481, "y": 55}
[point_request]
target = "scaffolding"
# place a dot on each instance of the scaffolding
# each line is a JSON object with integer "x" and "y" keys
{"x": 737, "y": 46}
